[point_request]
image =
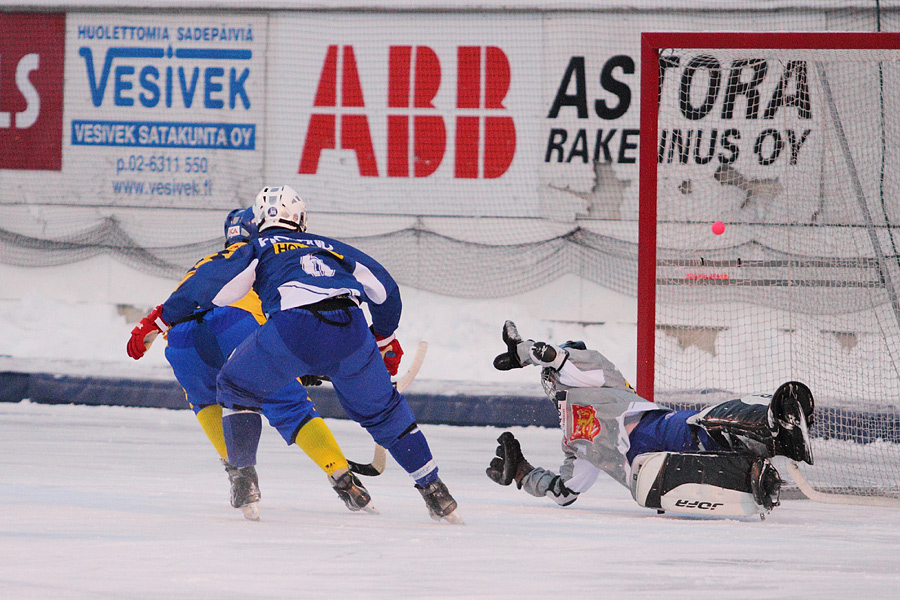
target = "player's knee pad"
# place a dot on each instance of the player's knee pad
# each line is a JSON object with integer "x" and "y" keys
{"x": 728, "y": 484}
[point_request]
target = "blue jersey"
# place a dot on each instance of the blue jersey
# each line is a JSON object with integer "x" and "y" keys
{"x": 288, "y": 269}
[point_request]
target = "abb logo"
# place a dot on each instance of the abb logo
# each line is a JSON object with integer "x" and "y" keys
{"x": 485, "y": 142}
{"x": 31, "y": 82}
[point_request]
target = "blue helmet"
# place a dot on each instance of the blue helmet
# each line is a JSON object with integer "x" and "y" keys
{"x": 239, "y": 226}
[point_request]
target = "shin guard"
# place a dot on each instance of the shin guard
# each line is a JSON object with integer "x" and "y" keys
{"x": 242, "y": 430}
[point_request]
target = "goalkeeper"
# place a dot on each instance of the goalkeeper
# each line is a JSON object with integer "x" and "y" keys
{"x": 198, "y": 348}
{"x": 713, "y": 461}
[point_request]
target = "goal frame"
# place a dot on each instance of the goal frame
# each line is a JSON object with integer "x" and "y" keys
{"x": 652, "y": 43}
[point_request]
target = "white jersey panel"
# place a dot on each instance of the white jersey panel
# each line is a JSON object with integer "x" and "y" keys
{"x": 294, "y": 294}
{"x": 238, "y": 287}
{"x": 374, "y": 288}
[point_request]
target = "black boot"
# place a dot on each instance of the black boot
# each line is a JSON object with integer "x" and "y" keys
{"x": 780, "y": 427}
{"x": 352, "y": 492}
{"x": 440, "y": 503}
{"x": 245, "y": 493}
{"x": 765, "y": 484}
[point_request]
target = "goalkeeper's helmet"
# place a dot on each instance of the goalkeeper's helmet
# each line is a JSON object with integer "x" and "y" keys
{"x": 550, "y": 377}
{"x": 279, "y": 206}
{"x": 239, "y": 226}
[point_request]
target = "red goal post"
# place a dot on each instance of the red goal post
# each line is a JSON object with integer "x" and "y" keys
{"x": 652, "y": 43}
{"x": 801, "y": 281}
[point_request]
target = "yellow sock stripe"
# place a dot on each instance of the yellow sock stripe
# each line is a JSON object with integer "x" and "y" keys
{"x": 210, "y": 418}
{"x": 316, "y": 439}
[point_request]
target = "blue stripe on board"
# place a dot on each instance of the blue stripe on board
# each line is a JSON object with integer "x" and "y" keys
{"x": 456, "y": 409}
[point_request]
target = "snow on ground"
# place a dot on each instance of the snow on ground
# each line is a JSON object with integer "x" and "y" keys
{"x": 113, "y": 502}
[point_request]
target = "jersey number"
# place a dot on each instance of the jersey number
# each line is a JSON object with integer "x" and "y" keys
{"x": 315, "y": 266}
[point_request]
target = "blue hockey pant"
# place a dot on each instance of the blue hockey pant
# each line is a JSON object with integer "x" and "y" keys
{"x": 197, "y": 351}
{"x": 668, "y": 431}
{"x": 295, "y": 342}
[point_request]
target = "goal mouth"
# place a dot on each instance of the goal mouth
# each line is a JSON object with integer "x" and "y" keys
{"x": 769, "y": 240}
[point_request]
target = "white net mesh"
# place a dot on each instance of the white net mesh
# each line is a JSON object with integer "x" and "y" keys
{"x": 777, "y": 242}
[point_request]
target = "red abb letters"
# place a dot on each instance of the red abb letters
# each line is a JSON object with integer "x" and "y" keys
{"x": 416, "y": 142}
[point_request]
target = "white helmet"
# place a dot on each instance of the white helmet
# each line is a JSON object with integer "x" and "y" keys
{"x": 279, "y": 206}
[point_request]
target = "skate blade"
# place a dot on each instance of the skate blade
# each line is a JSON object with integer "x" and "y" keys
{"x": 369, "y": 508}
{"x": 251, "y": 511}
{"x": 453, "y": 518}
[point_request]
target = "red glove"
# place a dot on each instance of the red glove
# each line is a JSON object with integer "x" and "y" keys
{"x": 391, "y": 352}
{"x": 143, "y": 335}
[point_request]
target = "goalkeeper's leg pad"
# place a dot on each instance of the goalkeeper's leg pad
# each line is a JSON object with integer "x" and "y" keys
{"x": 725, "y": 484}
{"x": 738, "y": 425}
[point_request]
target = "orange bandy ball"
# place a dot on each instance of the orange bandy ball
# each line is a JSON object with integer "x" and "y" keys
{"x": 718, "y": 228}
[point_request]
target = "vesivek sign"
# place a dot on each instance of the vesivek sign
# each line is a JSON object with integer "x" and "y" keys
{"x": 149, "y": 84}
{"x": 165, "y": 109}
{"x": 169, "y": 74}
{"x": 163, "y": 135}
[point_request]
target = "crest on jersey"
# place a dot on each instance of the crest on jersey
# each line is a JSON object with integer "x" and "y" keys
{"x": 585, "y": 424}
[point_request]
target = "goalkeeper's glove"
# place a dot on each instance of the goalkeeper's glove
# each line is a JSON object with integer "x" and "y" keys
{"x": 146, "y": 331}
{"x": 391, "y": 352}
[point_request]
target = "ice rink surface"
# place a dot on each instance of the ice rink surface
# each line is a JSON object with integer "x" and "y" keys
{"x": 132, "y": 503}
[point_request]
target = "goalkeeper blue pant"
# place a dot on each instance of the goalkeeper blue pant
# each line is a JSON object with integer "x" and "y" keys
{"x": 668, "y": 431}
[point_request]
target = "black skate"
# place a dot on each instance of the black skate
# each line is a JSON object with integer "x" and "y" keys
{"x": 509, "y": 465}
{"x": 352, "y": 492}
{"x": 790, "y": 418}
{"x": 244, "y": 490}
{"x": 765, "y": 484}
{"x": 440, "y": 503}
{"x": 509, "y": 359}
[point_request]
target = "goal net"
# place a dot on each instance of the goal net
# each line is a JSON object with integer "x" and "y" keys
{"x": 770, "y": 204}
